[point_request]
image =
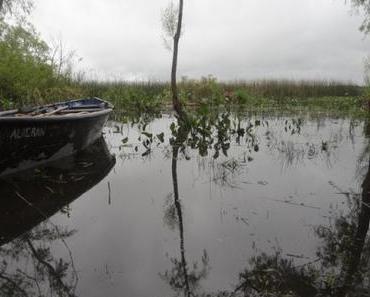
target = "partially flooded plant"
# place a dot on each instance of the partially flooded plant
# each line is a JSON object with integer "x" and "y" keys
{"x": 226, "y": 171}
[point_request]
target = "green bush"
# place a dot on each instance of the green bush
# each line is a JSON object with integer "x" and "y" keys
{"x": 206, "y": 90}
{"x": 242, "y": 96}
{"x": 27, "y": 72}
{"x": 132, "y": 98}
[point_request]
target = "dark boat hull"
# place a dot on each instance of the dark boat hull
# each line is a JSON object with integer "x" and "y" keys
{"x": 35, "y": 140}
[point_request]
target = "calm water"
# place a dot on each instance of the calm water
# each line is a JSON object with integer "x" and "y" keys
{"x": 230, "y": 205}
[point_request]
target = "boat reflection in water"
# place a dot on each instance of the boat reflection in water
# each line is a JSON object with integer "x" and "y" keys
{"x": 31, "y": 196}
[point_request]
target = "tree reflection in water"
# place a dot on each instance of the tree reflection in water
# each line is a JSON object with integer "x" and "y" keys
{"x": 204, "y": 134}
{"x": 180, "y": 278}
{"x": 42, "y": 274}
{"x": 29, "y": 266}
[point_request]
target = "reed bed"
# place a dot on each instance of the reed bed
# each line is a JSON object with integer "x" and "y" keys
{"x": 154, "y": 95}
{"x": 147, "y": 96}
{"x": 296, "y": 89}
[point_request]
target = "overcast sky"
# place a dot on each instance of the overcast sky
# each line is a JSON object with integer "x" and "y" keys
{"x": 230, "y": 39}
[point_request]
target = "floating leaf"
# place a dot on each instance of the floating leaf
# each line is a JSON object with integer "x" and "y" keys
{"x": 149, "y": 135}
{"x": 147, "y": 152}
{"x": 161, "y": 137}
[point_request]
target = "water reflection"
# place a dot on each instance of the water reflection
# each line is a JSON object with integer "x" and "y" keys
{"x": 180, "y": 278}
{"x": 217, "y": 204}
{"x": 28, "y": 237}
{"x": 342, "y": 264}
{"x": 341, "y": 267}
{"x": 199, "y": 133}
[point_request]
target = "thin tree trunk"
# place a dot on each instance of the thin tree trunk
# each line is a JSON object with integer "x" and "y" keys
{"x": 1, "y": 5}
{"x": 175, "y": 97}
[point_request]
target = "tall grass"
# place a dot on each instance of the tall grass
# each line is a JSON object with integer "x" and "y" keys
{"x": 296, "y": 89}
{"x": 148, "y": 96}
{"x": 210, "y": 89}
{"x": 128, "y": 95}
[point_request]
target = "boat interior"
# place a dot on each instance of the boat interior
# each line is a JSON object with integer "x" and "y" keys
{"x": 73, "y": 107}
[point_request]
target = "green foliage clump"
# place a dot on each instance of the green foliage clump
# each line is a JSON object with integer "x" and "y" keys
{"x": 133, "y": 97}
{"x": 242, "y": 96}
{"x": 206, "y": 90}
{"x": 23, "y": 63}
{"x": 366, "y": 96}
{"x": 28, "y": 73}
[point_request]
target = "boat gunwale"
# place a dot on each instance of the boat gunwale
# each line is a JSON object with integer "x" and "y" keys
{"x": 55, "y": 118}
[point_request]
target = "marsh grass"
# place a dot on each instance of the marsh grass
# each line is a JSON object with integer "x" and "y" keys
{"x": 142, "y": 96}
{"x": 295, "y": 89}
{"x": 207, "y": 91}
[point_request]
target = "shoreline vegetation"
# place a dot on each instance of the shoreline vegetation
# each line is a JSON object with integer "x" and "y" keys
{"x": 33, "y": 72}
{"x": 325, "y": 96}
{"x": 209, "y": 92}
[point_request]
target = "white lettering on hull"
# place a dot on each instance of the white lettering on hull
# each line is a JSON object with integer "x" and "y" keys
{"x": 20, "y": 133}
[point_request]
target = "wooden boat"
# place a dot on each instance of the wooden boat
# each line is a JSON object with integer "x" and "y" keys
{"x": 31, "y": 196}
{"x": 51, "y": 131}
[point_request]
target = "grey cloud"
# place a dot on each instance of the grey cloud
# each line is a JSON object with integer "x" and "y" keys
{"x": 238, "y": 39}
